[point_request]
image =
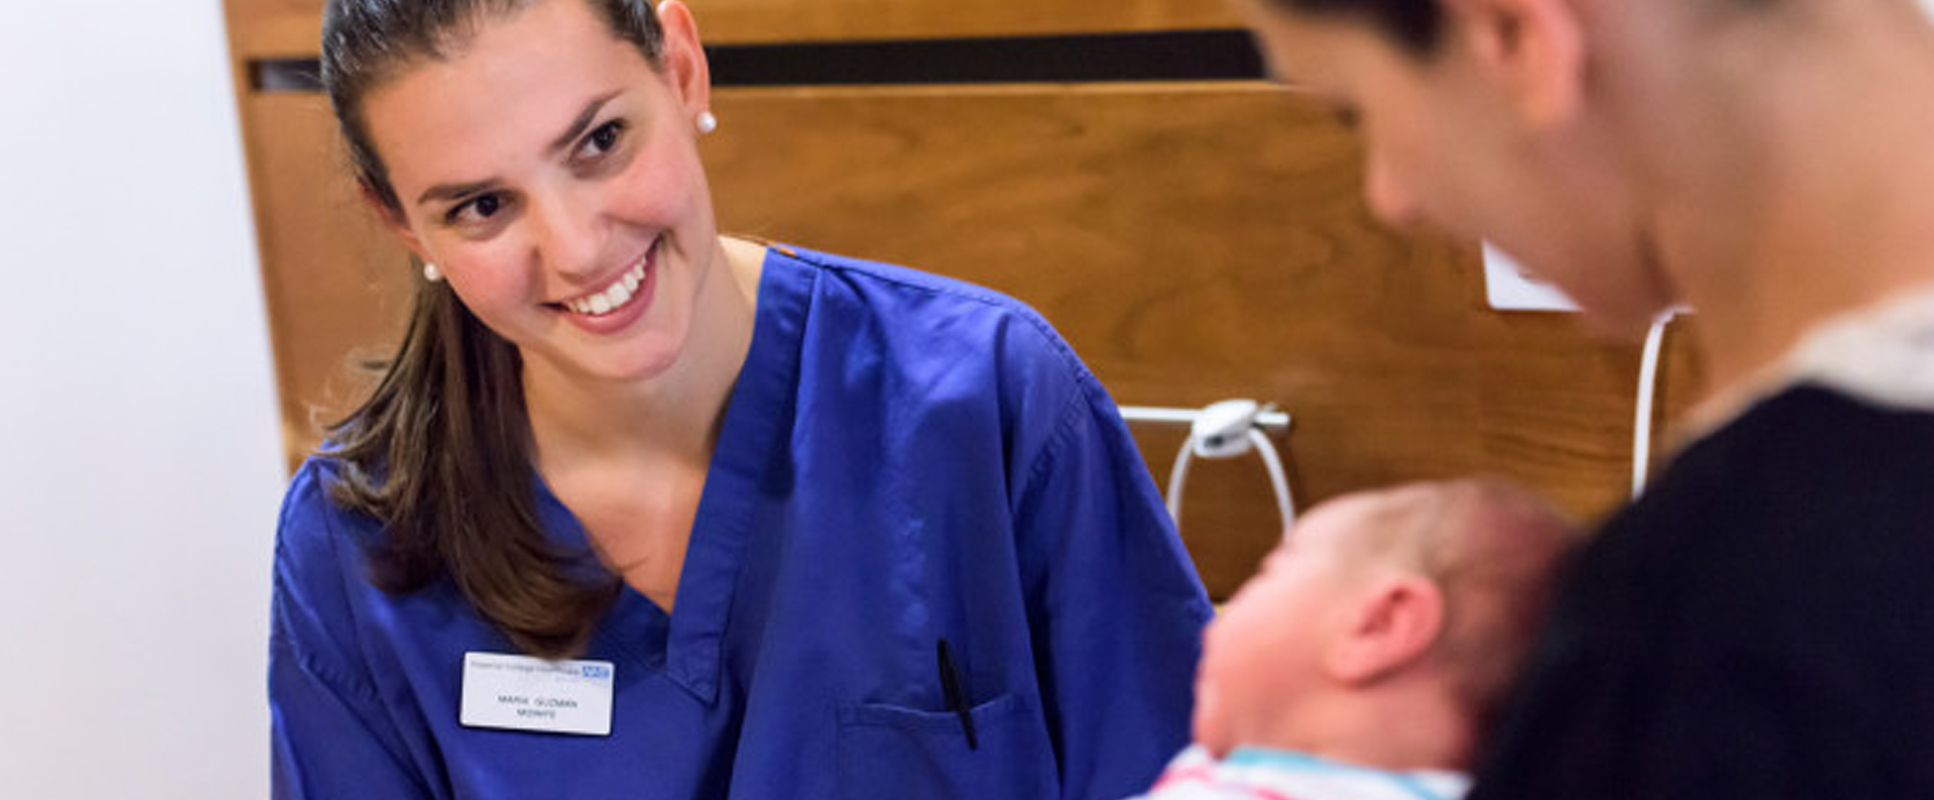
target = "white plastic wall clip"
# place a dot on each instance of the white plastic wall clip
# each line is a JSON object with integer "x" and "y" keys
{"x": 1224, "y": 429}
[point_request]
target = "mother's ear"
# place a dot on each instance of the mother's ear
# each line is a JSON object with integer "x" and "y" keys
{"x": 1531, "y": 50}
{"x": 684, "y": 58}
{"x": 1395, "y": 623}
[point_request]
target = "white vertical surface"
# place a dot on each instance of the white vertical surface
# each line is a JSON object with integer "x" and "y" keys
{"x": 139, "y": 466}
{"x": 1507, "y": 287}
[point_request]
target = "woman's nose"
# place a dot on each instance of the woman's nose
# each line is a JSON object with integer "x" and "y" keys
{"x": 1386, "y": 195}
{"x": 569, "y": 236}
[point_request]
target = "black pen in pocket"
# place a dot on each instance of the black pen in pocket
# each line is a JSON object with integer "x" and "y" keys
{"x": 956, "y": 694}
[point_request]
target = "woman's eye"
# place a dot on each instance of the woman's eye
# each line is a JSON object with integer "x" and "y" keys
{"x": 601, "y": 140}
{"x": 478, "y": 209}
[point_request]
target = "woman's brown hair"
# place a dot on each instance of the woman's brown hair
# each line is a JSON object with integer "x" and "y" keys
{"x": 440, "y": 453}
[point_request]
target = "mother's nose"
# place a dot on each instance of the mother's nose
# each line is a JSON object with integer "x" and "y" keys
{"x": 1384, "y": 191}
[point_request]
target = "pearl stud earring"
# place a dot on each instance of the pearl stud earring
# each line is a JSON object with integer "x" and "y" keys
{"x": 707, "y": 122}
{"x": 431, "y": 273}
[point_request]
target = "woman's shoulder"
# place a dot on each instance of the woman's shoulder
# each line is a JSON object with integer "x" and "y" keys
{"x": 1834, "y": 443}
{"x": 308, "y": 492}
{"x": 944, "y": 317}
{"x": 311, "y": 517}
{"x": 1811, "y": 491}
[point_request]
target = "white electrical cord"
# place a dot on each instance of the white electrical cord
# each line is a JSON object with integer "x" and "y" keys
{"x": 1225, "y": 430}
{"x": 1647, "y": 395}
{"x": 1178, "y": 475}
{"x": 1278, "y": 479}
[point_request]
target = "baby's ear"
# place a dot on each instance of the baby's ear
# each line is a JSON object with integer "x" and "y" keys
{"x": 1395, "y": 623}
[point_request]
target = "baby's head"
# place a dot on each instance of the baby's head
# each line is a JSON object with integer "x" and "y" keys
{"x": 1387, "y": 626}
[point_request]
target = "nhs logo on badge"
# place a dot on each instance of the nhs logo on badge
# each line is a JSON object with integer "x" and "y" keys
{"x": 596, "y": 672}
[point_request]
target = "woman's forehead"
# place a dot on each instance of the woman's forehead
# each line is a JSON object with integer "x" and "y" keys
{"x": 508, "y": 91}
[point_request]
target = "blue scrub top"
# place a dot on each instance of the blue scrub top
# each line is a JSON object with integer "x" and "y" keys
{"x": 904, "y": 459}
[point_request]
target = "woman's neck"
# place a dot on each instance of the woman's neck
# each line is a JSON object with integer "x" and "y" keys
{"x": 674, "y": 415}
{"x": 1820, "y": 200}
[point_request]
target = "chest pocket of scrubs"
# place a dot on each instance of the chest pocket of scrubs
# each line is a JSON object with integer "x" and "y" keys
{"x": 895, "y": 752}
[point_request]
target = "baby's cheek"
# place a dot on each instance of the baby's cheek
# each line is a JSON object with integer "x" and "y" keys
{"x": 1207, "y": 724}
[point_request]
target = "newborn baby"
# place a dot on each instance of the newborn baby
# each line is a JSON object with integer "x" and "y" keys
{"x": 1369, "y": 655}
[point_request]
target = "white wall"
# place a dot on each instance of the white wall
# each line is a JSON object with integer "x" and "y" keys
{"x": 139, "y": 473}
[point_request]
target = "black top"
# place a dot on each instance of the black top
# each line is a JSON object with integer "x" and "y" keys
{"x": 1759, "y": 624}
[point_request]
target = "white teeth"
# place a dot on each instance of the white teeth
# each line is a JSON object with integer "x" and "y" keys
{"x": 614, "y": 297}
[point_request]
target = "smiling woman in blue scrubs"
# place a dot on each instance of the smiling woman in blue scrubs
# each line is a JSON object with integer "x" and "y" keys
{"x": 781, "y": 524}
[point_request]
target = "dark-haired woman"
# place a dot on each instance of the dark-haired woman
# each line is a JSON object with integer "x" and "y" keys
{"x": 1760, "y": 621}
{"x": 645, "y": 512}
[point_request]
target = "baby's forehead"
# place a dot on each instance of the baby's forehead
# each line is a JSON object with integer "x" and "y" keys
{"x": 1427, "y": 524}
{"x": 1378, "y": 509}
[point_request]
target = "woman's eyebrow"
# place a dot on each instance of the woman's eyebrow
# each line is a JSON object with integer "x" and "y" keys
{"x": 455, "y": 191}
{"x": 583, "y": 121}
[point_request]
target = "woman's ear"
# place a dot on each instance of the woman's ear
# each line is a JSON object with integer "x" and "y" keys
{"x": 684, "y": 57}
{"x": 1533, "y": 51}
{"x": 392, "y": 218}
{"x": 1393, "y": 624}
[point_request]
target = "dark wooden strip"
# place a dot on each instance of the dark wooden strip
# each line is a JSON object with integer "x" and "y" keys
{"x": 1125, "y": 57}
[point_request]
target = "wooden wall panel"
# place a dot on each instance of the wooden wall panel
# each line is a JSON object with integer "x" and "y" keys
{"x": 1196, "y": 243}
{"x": 274, "y": 29}
{"x": 750, "y": 21}
{"x": 337, "y": 285}
{"x": 288, "y": 28}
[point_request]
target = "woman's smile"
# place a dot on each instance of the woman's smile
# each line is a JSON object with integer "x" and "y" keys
{"x": 622, "y": 300}
{"x": 580, "y": 228}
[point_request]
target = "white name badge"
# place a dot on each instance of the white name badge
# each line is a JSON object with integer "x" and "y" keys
{"x": 521, "y": 693}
